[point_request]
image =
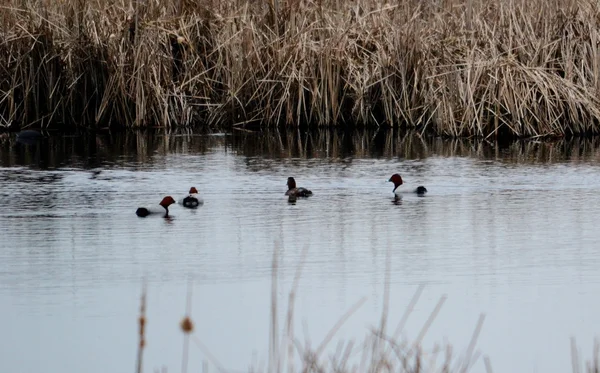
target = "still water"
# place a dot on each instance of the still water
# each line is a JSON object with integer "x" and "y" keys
{"x": 509, "y": 231}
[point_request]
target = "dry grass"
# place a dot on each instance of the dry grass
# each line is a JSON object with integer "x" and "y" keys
{"x": 453, "y": 67}
{"x": 381, "y": 351}
{"x": 591, "y": 366}
{"x": 142, "y": 332}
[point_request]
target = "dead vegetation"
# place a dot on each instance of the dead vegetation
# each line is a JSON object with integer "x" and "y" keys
{"x": 450, "y": 67}
{"x": 384, "y": 348}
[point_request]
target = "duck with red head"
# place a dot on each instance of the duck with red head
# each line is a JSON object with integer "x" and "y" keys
{"x": 193, "y": 199}
{"x": 397, "y": 180}
{"x": 293, "y": 191}
{"x": 165, "y": 203}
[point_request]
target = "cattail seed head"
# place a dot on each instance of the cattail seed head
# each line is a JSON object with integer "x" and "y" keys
{"x": 186, "y": 325}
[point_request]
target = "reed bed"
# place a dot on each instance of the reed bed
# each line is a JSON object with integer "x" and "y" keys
{"x": 526, "y": 68}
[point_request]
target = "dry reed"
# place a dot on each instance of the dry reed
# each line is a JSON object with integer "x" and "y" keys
{"x": 142, "y": 331}
{"x": 453, "y": 67}
{"x": 378, "y": 352}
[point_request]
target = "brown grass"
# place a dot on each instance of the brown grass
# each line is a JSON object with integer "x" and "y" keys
{"x": 382, "y": 349}
{"x": 452, "y": 67}
{"x": 142, "y": 332}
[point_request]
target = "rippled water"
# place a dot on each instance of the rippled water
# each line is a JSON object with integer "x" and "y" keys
{"x": 509, "y": 231}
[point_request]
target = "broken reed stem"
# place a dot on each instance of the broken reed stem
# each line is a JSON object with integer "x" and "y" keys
{"x": 430, "y": 320}
{"x": 274, "y": 325}
{"x": 591, "y": 366}
{"x": 187, "y": 327}
{"x": 468, "y": 361}
{"x": 142, "y": 330}
{"x": 290, "y": 313}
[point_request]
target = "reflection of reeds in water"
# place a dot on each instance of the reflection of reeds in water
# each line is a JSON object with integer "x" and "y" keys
{"x": 458, "y": 68}
{"x": 339, "y": 144}
{"x": 91, "y": 150}
{"x": 137, "y": 147}
{"x": 327, "y": 143}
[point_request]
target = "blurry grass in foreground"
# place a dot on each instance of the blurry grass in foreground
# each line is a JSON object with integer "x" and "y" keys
{"x": 380, "y": 351}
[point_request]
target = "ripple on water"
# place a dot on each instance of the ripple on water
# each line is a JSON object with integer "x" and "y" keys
{"x": 516, "y": 239}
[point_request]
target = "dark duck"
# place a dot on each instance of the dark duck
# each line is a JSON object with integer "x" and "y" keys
{"x": 294, "y": 191}
{"x": 192, "y": 200}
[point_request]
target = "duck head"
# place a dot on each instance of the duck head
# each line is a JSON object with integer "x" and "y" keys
{"x": 166, "y": 202}
{"x": 291, "y": 183}
{"x": 397, "y": 180}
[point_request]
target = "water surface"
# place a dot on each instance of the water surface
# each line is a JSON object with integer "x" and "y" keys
{"x": 507, "y": 230}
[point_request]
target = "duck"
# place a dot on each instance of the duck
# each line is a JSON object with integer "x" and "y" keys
{"x": 397, "y": 180}
{"x": 293, "y": 192}
{"x": 29, "y": 137}
{"x": 165, "y": 203}
{"x": 193, "y": 200}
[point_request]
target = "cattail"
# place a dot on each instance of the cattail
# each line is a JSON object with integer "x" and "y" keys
{"x": 187, "y": 325}
{"x": 142, "y": 322}
{"x": 142, "y": 330}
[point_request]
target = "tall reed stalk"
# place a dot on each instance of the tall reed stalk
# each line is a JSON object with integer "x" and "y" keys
{"x": 525, "y": 68}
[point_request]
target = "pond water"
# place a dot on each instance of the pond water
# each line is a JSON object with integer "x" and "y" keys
{"x": 507, "y": 230}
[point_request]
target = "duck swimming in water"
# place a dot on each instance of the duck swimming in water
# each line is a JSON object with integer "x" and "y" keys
{"x": 397, "y": 180}
{"x": 293, "y": 192}
{"x": 165, "y": 203}
{"x": 193, "y": 200}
